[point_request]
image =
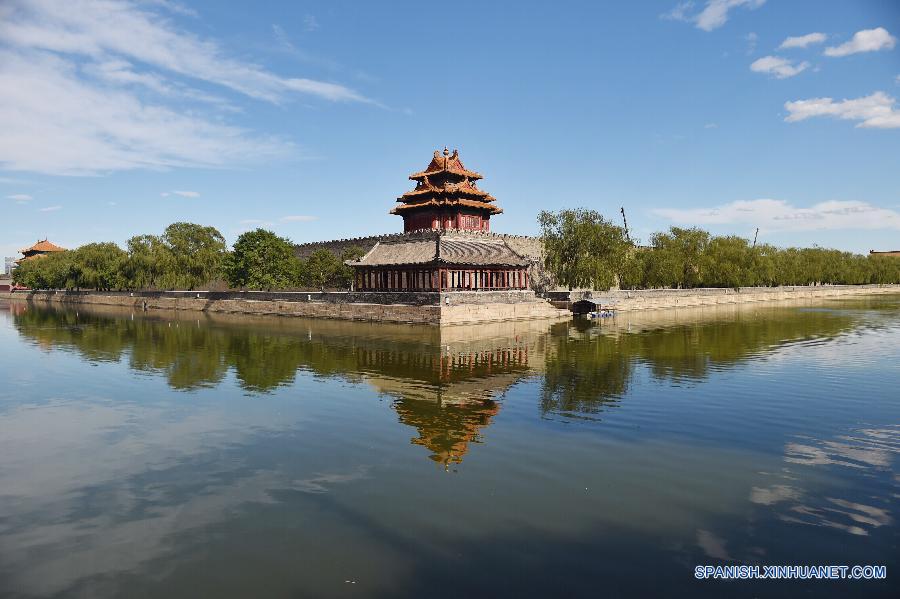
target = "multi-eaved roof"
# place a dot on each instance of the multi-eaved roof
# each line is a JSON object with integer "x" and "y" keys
{"x": 446, "y": 183}
{"x": 41, "y": 248}
{"x": 443, "y": 248}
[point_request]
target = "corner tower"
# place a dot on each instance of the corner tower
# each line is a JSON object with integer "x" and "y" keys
{"x": 446, "y": 197}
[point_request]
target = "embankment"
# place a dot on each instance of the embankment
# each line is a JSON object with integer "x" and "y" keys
{"x": 440, "y": 308}
{"x": 664, "y": 299}
{"x": 414, "y": 308}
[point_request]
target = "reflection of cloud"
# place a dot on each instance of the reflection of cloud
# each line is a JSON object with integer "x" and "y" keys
{"x": 75, "y": 546}
{"x": 321, "y": 482}
{"x": 853, "y": 452}
{"x": 774, "y": 494}
{"x": 712, "y": 545}
{"x": 867, "y": 449}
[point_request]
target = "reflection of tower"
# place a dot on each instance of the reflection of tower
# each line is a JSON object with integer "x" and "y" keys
{"x": 446, "y": 429}
{"x": 454, "y": 396}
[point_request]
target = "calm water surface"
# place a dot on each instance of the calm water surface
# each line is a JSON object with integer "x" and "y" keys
{"x": 162, "y": 455}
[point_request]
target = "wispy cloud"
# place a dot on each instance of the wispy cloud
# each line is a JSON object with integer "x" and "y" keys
{"x": 802, "y": 41}
{"x": 119, "y": 28}
{"x": 875, "y": 111}
{"x": 298, "y": 218}
{"x": 184, "y": 194}
{"x": 752, "y": 40}
{"x": 679, "y": 12}
{"x": 867, "y": 40}
{"x": 780, "y": 68}
{"x": 20, "y": 198}
{"x": 97, "y": 86}
{"x": 310, "y": 23}
{"x": 779, "y": 215}
{"x": 713, "y": 15}
{"x": 50, "y": 209}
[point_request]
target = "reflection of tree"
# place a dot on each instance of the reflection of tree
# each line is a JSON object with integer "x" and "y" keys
{"x": 590, "y": 365}
{"x": 190, "y": 356}
{"x": 447, "y": 394}
{"x": 583, "y": 374}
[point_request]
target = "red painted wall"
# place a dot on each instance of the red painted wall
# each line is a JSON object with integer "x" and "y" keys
{"x": 445, "y": 220}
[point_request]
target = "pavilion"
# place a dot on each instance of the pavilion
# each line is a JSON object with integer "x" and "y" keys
{"x": 39, "y": 250}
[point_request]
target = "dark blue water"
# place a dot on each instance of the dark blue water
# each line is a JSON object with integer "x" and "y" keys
{"x": 163, "y": 455}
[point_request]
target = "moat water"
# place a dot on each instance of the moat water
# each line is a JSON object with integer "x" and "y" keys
{"x": 164, "y": 455}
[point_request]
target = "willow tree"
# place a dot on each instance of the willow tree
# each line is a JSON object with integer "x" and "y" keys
{"x": 100, "y": 266}
{"x": 583, "y": 249}
{"x": 196, "y": 255}
{"x": 676, "y": 258}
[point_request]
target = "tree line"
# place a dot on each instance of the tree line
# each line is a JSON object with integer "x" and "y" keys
{"x": 188, "y": 256}
{"x": 582, "y": 249}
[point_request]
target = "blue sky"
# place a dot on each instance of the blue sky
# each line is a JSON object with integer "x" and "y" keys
{"x": 118, "y": 118}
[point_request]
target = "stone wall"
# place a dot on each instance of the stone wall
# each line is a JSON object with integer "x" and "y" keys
{"x": 659, "y": 299}
{"x": 431, "y": 308}
{"x": 445, "y": 308}
{"x": 421, "y": 314}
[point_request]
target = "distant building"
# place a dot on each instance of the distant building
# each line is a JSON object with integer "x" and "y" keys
{"x": 9, "y": 264}
{"x": 895, "y": 253}
{"x": 38, "y": 250}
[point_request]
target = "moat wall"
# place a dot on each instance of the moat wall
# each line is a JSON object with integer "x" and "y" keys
{"x": 414, "y": 308}
{"x": 438, "y": 308}
{"x": 664, "y": 299}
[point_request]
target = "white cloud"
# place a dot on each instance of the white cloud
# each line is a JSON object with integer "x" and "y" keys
{"x": 94, "y": 86}
{"x": 20, "y": 198}
{"x": 96, "y": 29}
{"x": 50, "y": 209}
{"x": 679, "y": 12}
{"x": 174, "y": 7}
{"x": 875, "y": 111}
{"x": 298, "y": 218}
{"x": 52, "y": 121}
{"x": 187, "y": 194}
{"x": 781, "y": 68}
{"x": 713, "y": 15}
{"x": 803, "y": 41}
{"x": 867, "y": 40}
{"x": 711, "y": 126}
{"x": 779, "y": 215}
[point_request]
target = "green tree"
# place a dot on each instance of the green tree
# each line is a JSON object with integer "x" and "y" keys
{"x": 261, "y": 260}
{"x": 321, "y": 269}
{"x": 196, "y": 255}
{"x": 345, "y": 275}
{"x": 583, "y": 249}
{"x": 148, "y": 261}
{"x": 676, "y": 258}
{"x": 51, "y": 271}
{"x": 728, "y": 262}
{"x": 100, "y": 266}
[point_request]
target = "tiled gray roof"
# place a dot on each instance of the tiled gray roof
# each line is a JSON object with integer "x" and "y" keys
{"x": 411, "y": 251}
{"x": 443, "y": 248}
{"x": 473, "y": 251}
